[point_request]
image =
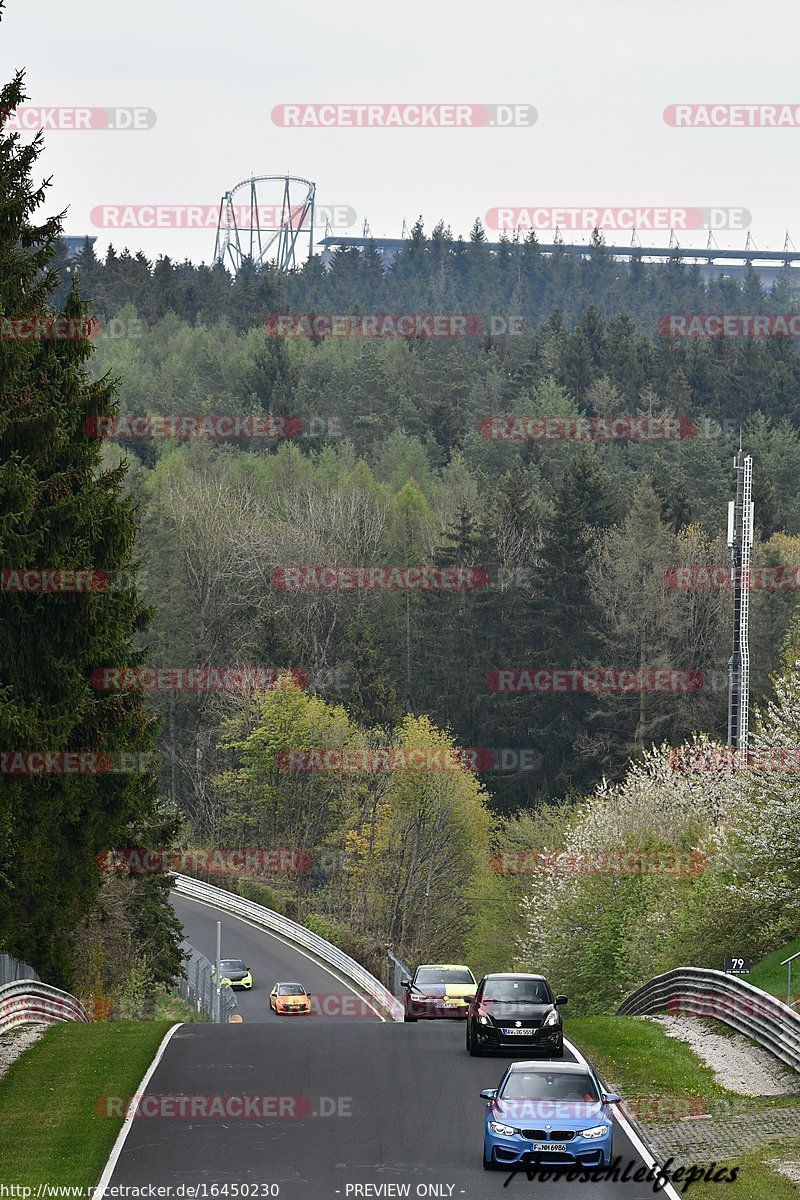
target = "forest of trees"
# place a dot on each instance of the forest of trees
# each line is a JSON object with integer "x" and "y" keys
{"x": 59, "y": 508}
{"x": 393, "y": 467}
{"x": 575, "y": 542}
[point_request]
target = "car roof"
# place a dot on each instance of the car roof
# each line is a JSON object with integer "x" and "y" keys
{"x": 443, "y": 967}
{"x": 513, "y": 975}
{"x": 288, "y": 983}
{"x": 546, "y": 1068}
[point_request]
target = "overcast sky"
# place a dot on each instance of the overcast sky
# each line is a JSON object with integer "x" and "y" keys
{"x": 599, "y": 75}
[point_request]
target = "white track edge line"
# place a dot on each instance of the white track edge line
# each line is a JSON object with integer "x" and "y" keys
{"x": 284, "y": 942}
{"x": 127, "y": 1123}
{"x": 642, "y": 1147}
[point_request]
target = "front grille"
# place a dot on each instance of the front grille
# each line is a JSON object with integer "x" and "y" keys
{"x": 527, "y": 1025}
{"x": 556, "y": 1135}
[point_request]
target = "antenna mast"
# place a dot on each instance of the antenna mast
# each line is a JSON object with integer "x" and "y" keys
{"x": 740, "y": 540}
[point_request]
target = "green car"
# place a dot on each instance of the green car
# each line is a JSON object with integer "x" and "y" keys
{"x": 233, "y": 972}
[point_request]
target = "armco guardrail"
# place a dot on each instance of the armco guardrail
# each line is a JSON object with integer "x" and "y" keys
{"x": 290, "y": 931}
{"x": 29, "y": 1002}
{"x": 12, "y": 969}
{"x": 748, "y": 1010}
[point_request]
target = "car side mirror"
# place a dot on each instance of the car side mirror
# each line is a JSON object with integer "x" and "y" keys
{"x": 488, "y": 1093}
{"x": 611, "y": 1098}
{"x": 405, "y": 983}
{"x": 562, "y": 999}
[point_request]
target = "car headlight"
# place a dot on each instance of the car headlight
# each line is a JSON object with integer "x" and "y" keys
{"x": 483, "y": 1019}
{"x": 552, "y": 1018}
{"x": 598, "y": 1131}
{"x": 498, "y": 1127}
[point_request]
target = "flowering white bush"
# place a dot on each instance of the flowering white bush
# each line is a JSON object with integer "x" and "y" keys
{"x": 612, "y": 907}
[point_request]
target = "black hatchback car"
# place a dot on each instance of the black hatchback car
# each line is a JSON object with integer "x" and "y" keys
{"x": 515, "y": 1012}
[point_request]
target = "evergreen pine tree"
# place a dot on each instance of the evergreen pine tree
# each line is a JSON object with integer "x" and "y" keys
{"x": 60, "y": 509}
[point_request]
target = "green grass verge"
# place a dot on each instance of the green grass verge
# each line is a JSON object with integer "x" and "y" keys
{"x": 50, "y": 1131}
{"x": 756, "y": 1181}
{"x": 639, "y": 1058}
{"x": 175, "y": 1008}
{"x": 770, "y": 976}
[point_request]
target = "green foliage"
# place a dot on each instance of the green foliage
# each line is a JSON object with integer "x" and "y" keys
{"x": 61, "y": 507}
{"x": 340, "y": 935}
{"x": 260, "y": 893}
{"x": 732, "y": 883}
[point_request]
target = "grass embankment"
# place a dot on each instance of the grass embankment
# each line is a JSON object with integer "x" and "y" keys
{"x": 638, "y": 1058}
{"x": 50, "y": 1130}
{"x": 770, "y": 976}
{"x": 664, "y": 1080}
{"x": 755, "y": 1180}
{"x": 175, "y": 1008}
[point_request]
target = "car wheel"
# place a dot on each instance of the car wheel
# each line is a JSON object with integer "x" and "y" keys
{"x": 472, "y": 1046}
{"x": 559, "y": 1051}
{"x": 409, "y": 1019}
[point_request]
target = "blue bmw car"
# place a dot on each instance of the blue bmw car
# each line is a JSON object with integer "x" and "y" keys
{"x": 548, "y": 1113}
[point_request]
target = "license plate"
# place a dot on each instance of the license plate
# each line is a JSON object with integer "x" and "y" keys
{"x": 518, "y": 1032}
{"x": 543, "y": 1148}
{"x": 451, "y": 1004}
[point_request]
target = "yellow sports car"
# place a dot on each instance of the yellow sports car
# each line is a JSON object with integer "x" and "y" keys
{"x": 289, "y": 998}
{"x": 439, "y": 990}
{"x": 234, "y": 973}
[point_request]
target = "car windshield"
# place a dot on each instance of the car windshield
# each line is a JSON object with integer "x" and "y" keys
{"x": 291, "y": 989}
{"x": 436, "y": 975}
{"x": 232, "y": 964}
{"x": 550, "y": 1085}
{"x": 535, "y": 991}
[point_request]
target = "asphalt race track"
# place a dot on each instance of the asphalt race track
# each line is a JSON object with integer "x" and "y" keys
{"x": 270, "y": 960}
{"x": 365, "y": 1103}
